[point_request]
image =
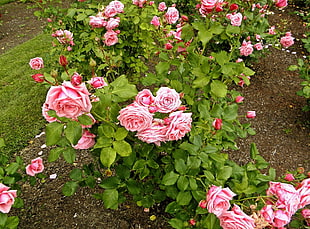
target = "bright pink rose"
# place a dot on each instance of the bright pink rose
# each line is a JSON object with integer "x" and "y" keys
{"x": 36, "y": 63}
{"x": 233, "y": 7}
{"x": 35, "y": 167}
{"x": 135, "y": 117}
{"x": 112, "y": 23}
{"x": 110, "y": 38}
{"x": 168, "y": 46}
{"x": 162, "y": 6}
{"x": 39, "y": 78}
{"x": 251, "y": 114}
{"x": 306, "y": 214}
{"x": 289, "y": 177}
{"x": 236, "y": 219}
{"x": 281, "y": 3}
{"x": 235, "y": 19}
{"x": 63, "y": 61}
{"x": 7, "y": 198}
{"x": 246, "y": 48}
{"x": 76, "y": 79}
{"x": 258, "y": 46}
{"x": 287, "y": 40}
{"x": 217, "y": 123}
{"x": 239, "y": 99}
{"x": 155, "y": 21}
{"x": 218, "y": 199}
{"x": 281, "y": 218}
{"x": 180, "y": 124}
{"x": 86, "y": 141}
{"x": 267, "y": 213}
{"x": 145, "y": 98}
{"x": 203, "y": 203}
{"x": 192, "y": 222}
{"x": 208, "y": 4}
{"x": 167, "y": 100}
{"x": 118, "y": 6}
{"x": 67, "y": 100}
{"x": 98, "y": 82}
{"x": 172, "y": 15}
{"x": 97, "y": 22}
{"x": 156, "y": 133}
{"x": 304, "y": 193}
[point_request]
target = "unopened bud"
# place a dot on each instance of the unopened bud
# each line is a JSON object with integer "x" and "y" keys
{"x": 54, "y": 73}
{"x": 39, "y": 78}
{"x": 92, "y": 62}
{"x": 63, "y": 61}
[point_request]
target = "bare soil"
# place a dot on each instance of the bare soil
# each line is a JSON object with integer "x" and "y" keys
{"x": 282, "y": 134}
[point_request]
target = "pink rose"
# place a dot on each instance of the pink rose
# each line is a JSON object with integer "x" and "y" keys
{"x": 236, "y": 219}
{"x": 162, "y": 6}
{"x": 139, "y": 3}
{"x": 63, "y": 61}
{"x": 76, "y": 79}
{"x": 110, "y": 38}
{"x": 167, "y": 100}
{"x": 110, "y": 11}
{"x": 246, "y": 48}
{"x": 239, "y": 99}
{"x": 67, "y": 100}
{"x": 251, "y": 114}
{"x": 218, "y": 199}
{"x": 235, "y": 19}
{"x": 65, "y": 37}
{"x": 289, "y": 177}
{"x": 287, "y": 40}
{"x": 118, "y": 6}
{"x": 135, "y": 117}
{"x": 98, "y": 82}
{"x": 112, "y": 23}
{"x": 203, "y": 204}
{"x": 306, "y": 214}
{"x": 145, "y": 98}
{"x": 304, "y": 193}
{"x": 258, "y": 46}
{"x": 217, "y": 123}
{"x": 97, "y": 22}
{"x": 86, "y": 141}
{"x": 180, "y": 124}
{"x": 233, "y": 7}
{"x": 36, "y": 63}
{"x": 7, "y": 198}
{"x": 168, "y": 46}
{"x": 35, "y": 167}
{"x": 267, "y": 213}
{"x": 208, "y": 4}
{"x": 155, "y": 21}
{"x": 156, "y": 133}
{"x": 281, "y": 218}
{"x": 192, "y": 222}
{"x": 172, "y": 15}
{"x": 271, "y": 30}
{"x": 39, "y": 78}
{"x": 281, "y": 3}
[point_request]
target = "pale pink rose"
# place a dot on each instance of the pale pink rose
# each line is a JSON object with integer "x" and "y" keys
{"x": 76, "y": 79}
{"x": 145, "y": 98}
{"x": 68, "y": 101}
{"x": 208, "y": 4}
{"x": 236, "y": 219}
{"x": 86, "y": 141}
{"x": 239, "y": 99}
{"x": 217, "y": 123}
{"x": 69, "y": 48}
{"x": 162, "y": 6}
{"x": 155, "y": 21}
{"x": 135, "y": 117}
{"x": 172, "y": 15}
{"x": 35, "y": 167}
{"x": 304, "y": 193}
{"x": 110, "y": 11}
{"x": 271, "y": 31}
{"x": 218, "y": 199}
{"x": 167, "y": 100}
{"x": 235, "y": 19}
{"x": 289, "y": 177}
{"x": 139, "y": 3}
{"x": 239, "y": 60}
{"x": 36, "y": 63}
{"x": 287, "y": 40}
{"x": 281, "y": 3}
{"x": 306, "y": 214}
{"x": 110, "y": 38}
{"x": 98, "y": 82}
{"x": 156, "y": 133}
{"x": 151, "y": 3}
{"x": 117, "y": 5}
{"x": 258, "y": 46}
{"x": 112, "y": 23}
{"x": 246, "y": 48}
{"x": 281, "y": 218}
{"x": 251, "y": 114}
{"x": 97, "y": 22}
{"x": 180, "y": 124}
{"x": 7, "y": 198}
{"x": 65, "y": 37}
{"x": 267, "y": 213}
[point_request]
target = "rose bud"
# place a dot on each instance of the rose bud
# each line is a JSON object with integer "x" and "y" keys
{"x": 63, "y": 61}
{"x": 233, "y": 7}
{"x": 251, "y": 114}
{"x": 239, "y": 99}
{"x": 76, "y": 79}
{"x": 217, "y": 123}
{"x": 289, "y": 177}
{"x": 39, "y": 78}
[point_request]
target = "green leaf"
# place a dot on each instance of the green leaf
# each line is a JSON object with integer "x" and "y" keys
{"x": 231, "y": 30}
{"x": 53, "y": 133}
{"x": 3, "y": 219}
{"x": 180, "y": 166}
{"x": 162, "y": 68}
{"x": 218, "y": 88}
{"x": 204, "y": 36}
{"x": 211, "y": 222}
{"x": 170, "y": 178}
{"x": 76, "y": 174}
{"x": 107, "y": 130}
{"x": 123, "y": 89}
{"x": 224, "y": 173}
{"x": 110, "y": 198}
{"x": 69, "y": 188}
{"x": 69, "y": 155}
{"x": 2, "y": 144}
{"x": 107, "y": 156}
{"x": 73, "y": 132}
{"x": 176, "y": 223}
{"x": 81, "y": 17}
{"x": 184, "y": 198}
{"x": 230, "y": 112}
{"x": 120, "y": 134}
{"x": 183, "y": 183}
{"x": 85, "y": 120}
{"x": 12, "y": 168}
{"x": 122, "y": 147}
{"x": 54, "y": 154}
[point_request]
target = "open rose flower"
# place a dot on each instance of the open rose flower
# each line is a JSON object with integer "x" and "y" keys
{"x": 281, "y": 3}
{"x": 36, "y": 63}
{"x": 162, "y": 6}
{"x": 7, "y": 198}
{"x": 246, "y": 48}
{"x": 156, "y": 133}
{"x": 180, "y": 124}
{"x": 86, "y": 141}
{"x": 97, "y": 22}
{"x": 167, "y": 100}
{"x": 110, "y": 38}
{"x": 112, "y": 23}
{"x": 145, "y": 98}
{"x": 35, "y": 167}
{"x": 287, "y": 40}
{"x": 304, "y": 193}
{"x": 68, "y": 101}
{"x": 172, "y": 15}
{"x": 235, "y": 19}
{"x": 98, "y": 82}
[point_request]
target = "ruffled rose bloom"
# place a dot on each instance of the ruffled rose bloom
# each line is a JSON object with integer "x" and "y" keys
{"x": 258, "y": 46}
{"x": 267, "y": 213}
{"x": 236, "y": 219}
{"x": 145, "y": 98}
{"x": 281, "y": 3}
{"x": 110, "y": 11}
{"x": 167, "y": 100}
{"x": 117, "y": 5}
{"x": 306, "y": 214}
{"x": 139, "y": 3}
{"x": 36, "y": 63}
{"x": 68, "y": 101}
{"x": 235, "y": 19}
{"x": 155, "y": 21}
{"x": 304, "y": 193}
{"x": 7, "y": 198}
{"x": 180, "y": 124}
{"x": 246, "y": 48}
{"x": 98, "y": 82}
{"x": 135, "y": 117}
{"x": 35, "y": 167}
{"x": 110, "y": 38}
{"x": 208, "y": 4}
{"x": 162, "y": 6}
{"x": 65, "y": 37}
{"x": 86, "y": 141}
{"x": 97, "y": 22}
{"x": 112, "y": 23}
{"x": 172, "y": 15}
{"x": 218, "y": 199}
{"x": 287, "y": 40}
{"x": 217, "y": 123}
{"x": 281, "y": 218}
{"x": 156, "y": 133}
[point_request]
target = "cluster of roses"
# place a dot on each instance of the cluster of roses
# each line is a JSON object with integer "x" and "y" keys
{"x": 282, "y": 203}
{"x": 107, "y": 20}
{"x": 64, "y": 37}
{"x": 139, "y": 116}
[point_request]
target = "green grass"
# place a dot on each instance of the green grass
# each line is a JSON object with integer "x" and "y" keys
{"x": 2, "y": 2}
{"x": 21, "y": 98}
